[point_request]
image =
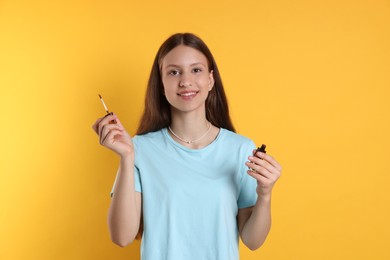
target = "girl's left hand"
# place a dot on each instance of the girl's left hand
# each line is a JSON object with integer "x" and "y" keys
{"x": 266, "y": 170}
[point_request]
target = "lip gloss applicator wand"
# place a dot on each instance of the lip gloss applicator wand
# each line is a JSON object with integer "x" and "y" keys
{"x": 105, "y": 107}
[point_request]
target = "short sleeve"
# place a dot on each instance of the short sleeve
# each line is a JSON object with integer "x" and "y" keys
{"x": 247, "y": 195}
{"x": 137, "y": 181}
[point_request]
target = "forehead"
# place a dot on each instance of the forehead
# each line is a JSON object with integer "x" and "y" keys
{"x": 184, "y": 56}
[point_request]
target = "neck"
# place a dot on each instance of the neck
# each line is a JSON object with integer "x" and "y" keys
{"x": 189, "y": 126}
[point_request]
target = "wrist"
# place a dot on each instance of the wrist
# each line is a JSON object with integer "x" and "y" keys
{"x": 264, "y": 198}
{"x": 127, "y": 157}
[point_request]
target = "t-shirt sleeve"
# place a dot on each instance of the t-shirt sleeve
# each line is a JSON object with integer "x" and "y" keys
{"x": 247, "y": 196}
{"x": 137, "y": 175}
{"x": 137, "y": 181}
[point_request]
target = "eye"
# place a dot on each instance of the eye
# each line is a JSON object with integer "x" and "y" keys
{"x": 197, "y": 70}
{"x": 174, "y": 72}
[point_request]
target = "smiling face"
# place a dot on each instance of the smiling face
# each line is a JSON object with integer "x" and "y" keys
{"x": 186, "y": 78}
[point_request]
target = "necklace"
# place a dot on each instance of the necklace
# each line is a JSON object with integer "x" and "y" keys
{"x": 190, "y": 141}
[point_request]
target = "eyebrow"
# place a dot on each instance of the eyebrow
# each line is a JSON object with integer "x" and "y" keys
{"x": 178, "y": 66}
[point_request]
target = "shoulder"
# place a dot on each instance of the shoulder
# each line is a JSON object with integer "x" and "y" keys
{"x": 233, "y": 138}
{"x": 148, "y": 138}
{"x": 235, "y": 143}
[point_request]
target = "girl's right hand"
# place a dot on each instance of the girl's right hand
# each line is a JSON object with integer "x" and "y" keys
{"x": 113, "y": 136}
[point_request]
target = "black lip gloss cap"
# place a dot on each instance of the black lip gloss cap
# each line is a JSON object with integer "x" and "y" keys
{"x": 262, "y": 149}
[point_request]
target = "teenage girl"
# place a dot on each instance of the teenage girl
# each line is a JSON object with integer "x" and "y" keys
{"x": 187, "y": 183}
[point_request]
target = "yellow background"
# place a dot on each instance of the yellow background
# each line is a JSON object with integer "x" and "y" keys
{"x": 308, "y": 78}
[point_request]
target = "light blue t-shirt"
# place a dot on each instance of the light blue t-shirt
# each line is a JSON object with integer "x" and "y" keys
{"x": 191, "y": 197}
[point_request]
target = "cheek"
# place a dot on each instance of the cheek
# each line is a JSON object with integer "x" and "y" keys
{"x": 203, "y": 81}
{"x": 169, "y": 83}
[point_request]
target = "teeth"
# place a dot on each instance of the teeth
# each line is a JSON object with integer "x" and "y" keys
{"x": 187, "y": 94}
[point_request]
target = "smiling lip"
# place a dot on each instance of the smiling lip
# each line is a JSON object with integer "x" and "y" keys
{"x": 187, "y": 93}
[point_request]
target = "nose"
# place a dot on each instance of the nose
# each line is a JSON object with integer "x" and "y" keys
{"x": 185, "y": 80}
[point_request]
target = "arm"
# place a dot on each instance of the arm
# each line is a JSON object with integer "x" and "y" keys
{"x": 125, "y": 209}
{"x": 254, "y": 223}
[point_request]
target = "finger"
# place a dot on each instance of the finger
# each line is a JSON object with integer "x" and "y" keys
{"x": 113, "y": 121}
{"x": 110, "y": 137}
{"x": 95, "y": 125}
{"x": 107, "y": 128}
{"x": 256, "y": 153}
{"x": 258, "y": 177}
{"x": 269, "y": 159}
{"x": 264, "y": 164}
{"x": 259, "y": 170}
{"x": 105, "y": 121}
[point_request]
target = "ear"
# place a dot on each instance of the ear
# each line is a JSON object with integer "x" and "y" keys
{"x": 211, "y": 80}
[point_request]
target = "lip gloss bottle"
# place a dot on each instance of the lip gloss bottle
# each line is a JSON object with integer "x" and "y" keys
{"x": 261, "y": 149}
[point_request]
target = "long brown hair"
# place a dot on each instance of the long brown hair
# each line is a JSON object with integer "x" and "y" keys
{"x": 157, "y": 111}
